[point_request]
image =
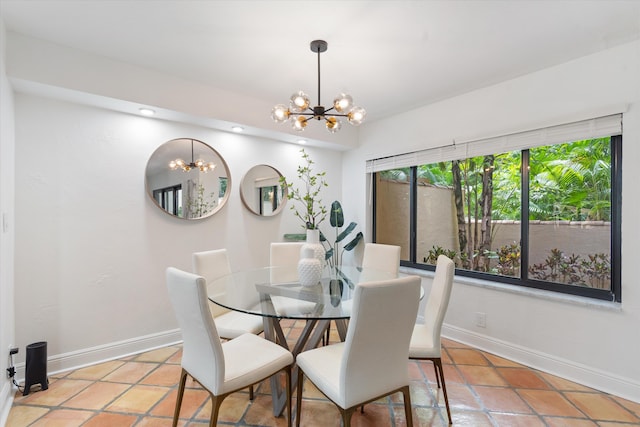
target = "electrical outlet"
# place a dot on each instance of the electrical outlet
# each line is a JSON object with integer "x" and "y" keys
{"x": 481, "y": 320}
{"x": 13, "y": 350}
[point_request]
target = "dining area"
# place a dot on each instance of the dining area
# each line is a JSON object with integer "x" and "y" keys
{"x": 232, "y": 327}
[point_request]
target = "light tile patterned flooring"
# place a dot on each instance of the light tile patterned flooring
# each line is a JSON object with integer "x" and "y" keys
{"x": 484, "y": 390}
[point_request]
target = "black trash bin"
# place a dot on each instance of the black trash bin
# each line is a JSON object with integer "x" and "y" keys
{"x": 36, "y": 369}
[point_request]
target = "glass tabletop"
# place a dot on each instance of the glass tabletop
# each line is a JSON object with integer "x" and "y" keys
{"x": 276, "y": 292}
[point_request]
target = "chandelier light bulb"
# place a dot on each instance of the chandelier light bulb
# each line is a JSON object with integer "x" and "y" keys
{"x": 299, "y": 102}
{"x": 356, "y": 115}
{"x": 343, "y": 103}
{"x": 280, "y": 113}
{"x": 299, "y": 123}
{"x": 333, "y": 124}
{"x": 299, "y": 111}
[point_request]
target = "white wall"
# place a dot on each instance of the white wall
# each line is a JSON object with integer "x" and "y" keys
{"x": 7, "y": 229}
{"x": 593, "y": 345}
{"x": 92, "y": 248}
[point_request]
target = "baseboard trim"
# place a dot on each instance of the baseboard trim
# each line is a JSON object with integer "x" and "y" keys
{"x": 6, "y": 401}
{"x": 103, "y": 353}
{"x": 572, "y": 371}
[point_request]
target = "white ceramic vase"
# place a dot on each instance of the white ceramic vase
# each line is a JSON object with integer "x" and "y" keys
{"x": 313, "y": 242}
{"x": 309, "y": 268}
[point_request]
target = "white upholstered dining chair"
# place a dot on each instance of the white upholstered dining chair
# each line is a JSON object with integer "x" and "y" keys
{"x": 378, "y": 256}
{"x": 372, "y": 362}
{"x": 220, "y": 367}
{"x": 425, "y": 340}
{"x": 285, "y": 255}
{"x": 230, "y": 324}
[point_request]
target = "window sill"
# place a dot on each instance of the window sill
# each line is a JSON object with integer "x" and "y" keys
{"x": 524, "y": 291}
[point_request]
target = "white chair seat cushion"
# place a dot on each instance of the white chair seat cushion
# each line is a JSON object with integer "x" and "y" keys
{"x": 250, "y": 358}
{"x": 286, "y": 306}
{"x": 322, "y": 366}
{"x": 232, "y": 324}
{"x": 422, "y": 346}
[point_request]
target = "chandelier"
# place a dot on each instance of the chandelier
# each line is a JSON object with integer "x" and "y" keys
{"x": 299, "y": 111}
{"x": 195, "y": 164}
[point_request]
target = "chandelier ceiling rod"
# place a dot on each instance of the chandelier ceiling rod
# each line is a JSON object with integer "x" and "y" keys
{"x": 319, "y": 46}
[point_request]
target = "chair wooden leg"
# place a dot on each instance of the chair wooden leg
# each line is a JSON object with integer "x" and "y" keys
{"x": 251, "y": 392}
{"x": 287, "y": 372}
{"x": 176, "y": 412}
{"x": 435, "y": 369}
{"x": 438, "y": 362}
{"x": 346, "y": 416}
{"x": 406, "y": 394}
{"x": 299, "y": 397}
{"x": 216, "y": 401}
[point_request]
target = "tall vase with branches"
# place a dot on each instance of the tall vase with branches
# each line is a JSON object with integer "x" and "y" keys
{"x": 307, "y": 204}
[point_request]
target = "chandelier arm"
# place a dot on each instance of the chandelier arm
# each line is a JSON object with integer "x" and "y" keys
{"x": 323, "y": 115}
{"x": 335, "y": 115}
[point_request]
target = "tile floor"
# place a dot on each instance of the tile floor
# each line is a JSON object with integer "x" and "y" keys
{"x": 484, "y": 390}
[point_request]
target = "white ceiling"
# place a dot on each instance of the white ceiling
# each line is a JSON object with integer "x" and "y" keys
{"x": 389, "y": 55}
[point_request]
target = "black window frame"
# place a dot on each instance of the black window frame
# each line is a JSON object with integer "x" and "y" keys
{"x": 160, "y": 196}
{"x": 614, "y": 294}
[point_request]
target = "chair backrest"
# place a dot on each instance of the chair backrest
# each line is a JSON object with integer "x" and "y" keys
{"x": 285, "y": 255}
{"x": 436, "y": 306}
{"x": 202, "y": 354}
{"x": 212, "y": 265}
{"x": 381, "y": 257}
{"x": 374, "y": 361}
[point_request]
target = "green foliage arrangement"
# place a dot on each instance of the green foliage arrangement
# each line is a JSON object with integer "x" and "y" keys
{"x": 333, "y": 254}
{"x": 594, "y": 272}
{"x": 307, "y": 203}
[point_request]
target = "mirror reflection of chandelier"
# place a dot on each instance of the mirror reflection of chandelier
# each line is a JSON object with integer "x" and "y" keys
{"x": 299, "y": 112}
{"x": 195, "y": 164}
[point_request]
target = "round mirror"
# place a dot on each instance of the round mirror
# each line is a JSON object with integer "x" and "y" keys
{"x": 261, "y": 192}
{"x": 188, "y": 179}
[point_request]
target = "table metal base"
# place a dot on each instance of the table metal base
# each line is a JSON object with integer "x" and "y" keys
{"x": 311, "y": 336}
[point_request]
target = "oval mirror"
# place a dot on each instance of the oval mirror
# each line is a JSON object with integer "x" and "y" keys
{"x": 188, "y": 179}
{"x": 261, "y": 192}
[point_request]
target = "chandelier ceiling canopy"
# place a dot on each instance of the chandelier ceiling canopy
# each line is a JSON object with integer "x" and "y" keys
{"x": 299, "y": 110}
{"x": 195, "y": 164}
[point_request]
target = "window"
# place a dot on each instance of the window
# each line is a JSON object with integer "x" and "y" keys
{"x": 545, "y": 216}
{"x": 170, "y": 199}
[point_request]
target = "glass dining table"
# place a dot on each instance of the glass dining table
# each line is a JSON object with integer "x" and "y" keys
{"x": 274, "y": 293}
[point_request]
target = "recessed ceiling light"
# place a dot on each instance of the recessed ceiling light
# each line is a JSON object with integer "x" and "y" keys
{"x": 237, "y": 129}
{"x": 147, "y": 111}
{"x": 301, "y": 141}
